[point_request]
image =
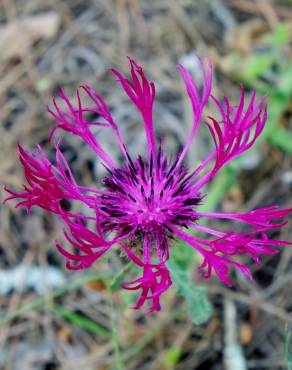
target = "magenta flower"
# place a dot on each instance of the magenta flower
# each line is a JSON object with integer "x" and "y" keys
{"x": 145, "y": 203}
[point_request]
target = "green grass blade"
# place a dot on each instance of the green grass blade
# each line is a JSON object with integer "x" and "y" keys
{"x": 81, "y": 321}
{"x": 41, "y": 301}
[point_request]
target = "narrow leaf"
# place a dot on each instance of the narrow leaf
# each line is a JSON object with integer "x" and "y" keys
{"x": 200, "y": 309}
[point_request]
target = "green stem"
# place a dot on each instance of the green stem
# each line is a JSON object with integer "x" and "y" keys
{"x": 115, "y": 338}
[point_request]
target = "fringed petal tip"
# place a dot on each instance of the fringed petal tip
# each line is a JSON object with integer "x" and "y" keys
{"x": 153, "y": 283}
{"x": 221, "y": 266}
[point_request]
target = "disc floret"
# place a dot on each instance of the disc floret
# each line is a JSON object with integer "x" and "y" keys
{"x": 143, "y": 198}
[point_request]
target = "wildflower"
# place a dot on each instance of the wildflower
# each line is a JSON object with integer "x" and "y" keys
{"x": 146, "y": 202}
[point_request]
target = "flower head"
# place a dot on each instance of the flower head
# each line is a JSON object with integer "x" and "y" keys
{"x": 145, "y": 203}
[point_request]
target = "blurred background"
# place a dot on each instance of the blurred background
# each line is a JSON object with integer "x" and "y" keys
{"x": 54, "y": 319}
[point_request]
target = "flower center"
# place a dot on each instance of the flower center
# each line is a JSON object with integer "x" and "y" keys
{"x": 143, "y": 197}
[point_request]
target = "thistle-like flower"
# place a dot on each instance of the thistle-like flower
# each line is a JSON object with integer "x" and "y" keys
{"x": 145, "y": 203}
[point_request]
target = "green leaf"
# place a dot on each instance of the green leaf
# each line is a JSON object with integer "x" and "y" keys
{"x": 282, "y": 138}
{"x": 183, "y": 254}
{"x": 256, "y": 65}
{"x": 81, "y": 321}
{"x": 284, "y": 81}
{"x": 280, "y": 36}
{"x": 200, "y": 309}
{"x": 171, "y": 357}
